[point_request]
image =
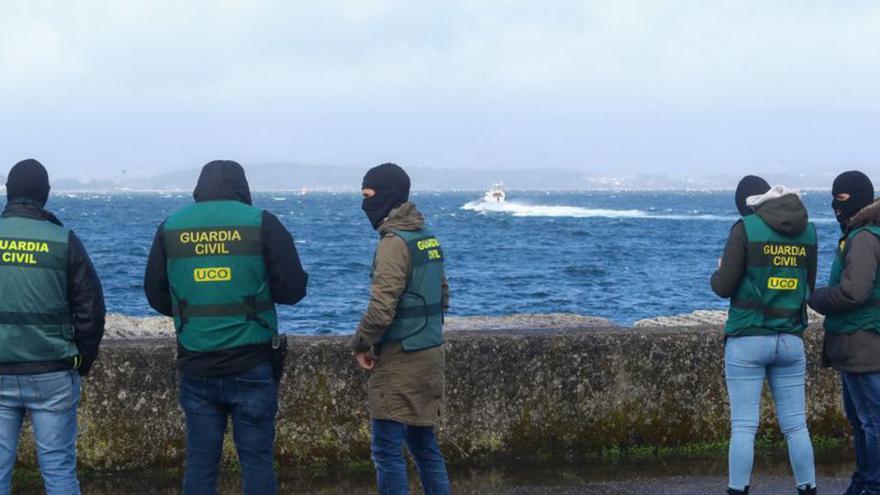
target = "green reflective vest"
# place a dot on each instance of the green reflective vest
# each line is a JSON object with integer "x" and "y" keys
{"x": 217, "y": 276}
{"x": 866, "y": 317}
{"x": 418, "y": 323}
{"x": 35, "y": 323}
{"x": 772, "y": 296}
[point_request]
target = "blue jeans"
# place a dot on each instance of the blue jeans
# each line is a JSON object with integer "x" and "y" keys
{"x": 861, "y": 401}
{"x": 782, "y": 361}
{"x": 388, "y": 439}
{"x": 51, "y": 399}
{"x": 251, "y": 398}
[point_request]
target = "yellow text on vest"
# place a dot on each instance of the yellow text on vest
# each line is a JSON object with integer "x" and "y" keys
{"x": 21, "y": 252}
{"x": 210, "y": 242}
{"x": 217, "y": 274}
{"x": 779, "y": 283}
{"x": 785, "y": 255}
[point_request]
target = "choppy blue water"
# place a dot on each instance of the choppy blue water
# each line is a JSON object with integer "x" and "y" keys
{"x": 622, "y": 256}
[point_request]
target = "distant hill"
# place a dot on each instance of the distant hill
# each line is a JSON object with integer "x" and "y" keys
{"x": 92, "y": 185}
{"x": 292, "y": 176}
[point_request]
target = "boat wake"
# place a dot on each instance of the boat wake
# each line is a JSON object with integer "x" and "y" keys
{"x": 518, "y": 209}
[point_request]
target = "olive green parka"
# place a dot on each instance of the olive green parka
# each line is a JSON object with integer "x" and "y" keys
{"x": 407, "y": 387}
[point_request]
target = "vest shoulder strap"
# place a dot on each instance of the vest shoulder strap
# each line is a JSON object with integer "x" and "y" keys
{"x": 874, "y": 229}
{"x": 412, "y": 235}
{"x": 755, "y": 227}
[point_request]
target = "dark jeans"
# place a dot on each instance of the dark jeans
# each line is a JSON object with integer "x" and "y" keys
{"x": 251, "y": 398}
{"x": 861, "y": 400}
{"x": 388, "y": 439}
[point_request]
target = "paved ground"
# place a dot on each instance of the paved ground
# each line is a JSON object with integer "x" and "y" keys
{"x": 683, "y": 477}
{"x": 674, "y": 485}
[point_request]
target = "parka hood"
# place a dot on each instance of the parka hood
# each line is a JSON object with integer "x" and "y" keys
{"x": 869, "y": 215}
{"x": 404, "y": 217}
{"x": 222, "y": 180}
{"x": 785, "y": 214}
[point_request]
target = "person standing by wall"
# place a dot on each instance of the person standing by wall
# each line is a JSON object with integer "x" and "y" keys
{"x": 219, "y": 267}
{"x": 400, "y": 337}
{"x": 851, "y": 305}
{"x": 51, "y": 325}
{"x": 768, "y": 270}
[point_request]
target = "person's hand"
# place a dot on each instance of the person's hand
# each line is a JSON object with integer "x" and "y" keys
{"x": 365, "y": 360}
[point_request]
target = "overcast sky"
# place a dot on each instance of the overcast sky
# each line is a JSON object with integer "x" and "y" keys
{"x": 95, "y": 87}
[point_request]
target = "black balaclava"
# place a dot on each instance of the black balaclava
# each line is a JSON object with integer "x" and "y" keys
{"x": 392, "y": 190}
{"x": 28, "y": 179}
{"x": 750, "y": 185}
{"x": 861, "y": 194}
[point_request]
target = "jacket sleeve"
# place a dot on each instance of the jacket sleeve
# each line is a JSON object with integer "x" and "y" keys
{"x": 733, "y": 263}
{"x": 86, "y": 301}
{"x": 156, "y": 285}
{"x": 857, "y": 280}
{"x": 389, "y": 281}
{"x": 287, "y": 279}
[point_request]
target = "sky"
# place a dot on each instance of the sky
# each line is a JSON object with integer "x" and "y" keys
{"x": 686, "y": 87}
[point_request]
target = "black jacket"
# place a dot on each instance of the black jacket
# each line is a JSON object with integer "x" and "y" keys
{"x": 786, "y": 215}
{"x": 858, "y": 352}
{"x": 287, "y": 279}
{"x": 85, "y": 298}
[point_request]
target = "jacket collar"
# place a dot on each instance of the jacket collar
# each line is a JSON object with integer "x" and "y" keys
{"x": 28, "y": 208}
{"x": 869, "y": 215}
{"x": 404, "y": 217}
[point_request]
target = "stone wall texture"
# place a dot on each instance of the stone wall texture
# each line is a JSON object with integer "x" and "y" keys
{"x": 511, "y": 394}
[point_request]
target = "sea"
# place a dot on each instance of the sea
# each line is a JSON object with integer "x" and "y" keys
{"x": 623, "y": 256}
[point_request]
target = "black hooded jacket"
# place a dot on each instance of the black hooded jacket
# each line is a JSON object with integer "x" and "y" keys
{"x": 287, "y": 279}
{"x": 85, "y": 297}
{"x": 786, "y": 215}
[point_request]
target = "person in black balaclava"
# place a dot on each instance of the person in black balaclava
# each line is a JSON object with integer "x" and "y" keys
{"x": 391, "y": 184}
{"x": 399, "y": 339}
{"x": 750, "y": 185}
{"x": 28, "y": 179}
{"x": 44, "y": 351}
{"x": 852, "y": 321}
{"x": 852, "y": 192}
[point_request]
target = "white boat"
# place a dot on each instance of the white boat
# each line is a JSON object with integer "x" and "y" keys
{"x": 495, "y": 194}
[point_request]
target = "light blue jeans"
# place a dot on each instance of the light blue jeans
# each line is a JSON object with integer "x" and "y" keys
{"x": 51, "y": 399}
{"x": 782, "y": 361}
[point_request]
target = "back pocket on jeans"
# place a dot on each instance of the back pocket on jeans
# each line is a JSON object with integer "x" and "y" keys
{"x": 56, "y": 391}
{"x": 257, "y": 399}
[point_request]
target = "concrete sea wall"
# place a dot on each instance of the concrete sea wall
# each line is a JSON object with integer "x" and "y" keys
{"x": 512, "y": 394}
